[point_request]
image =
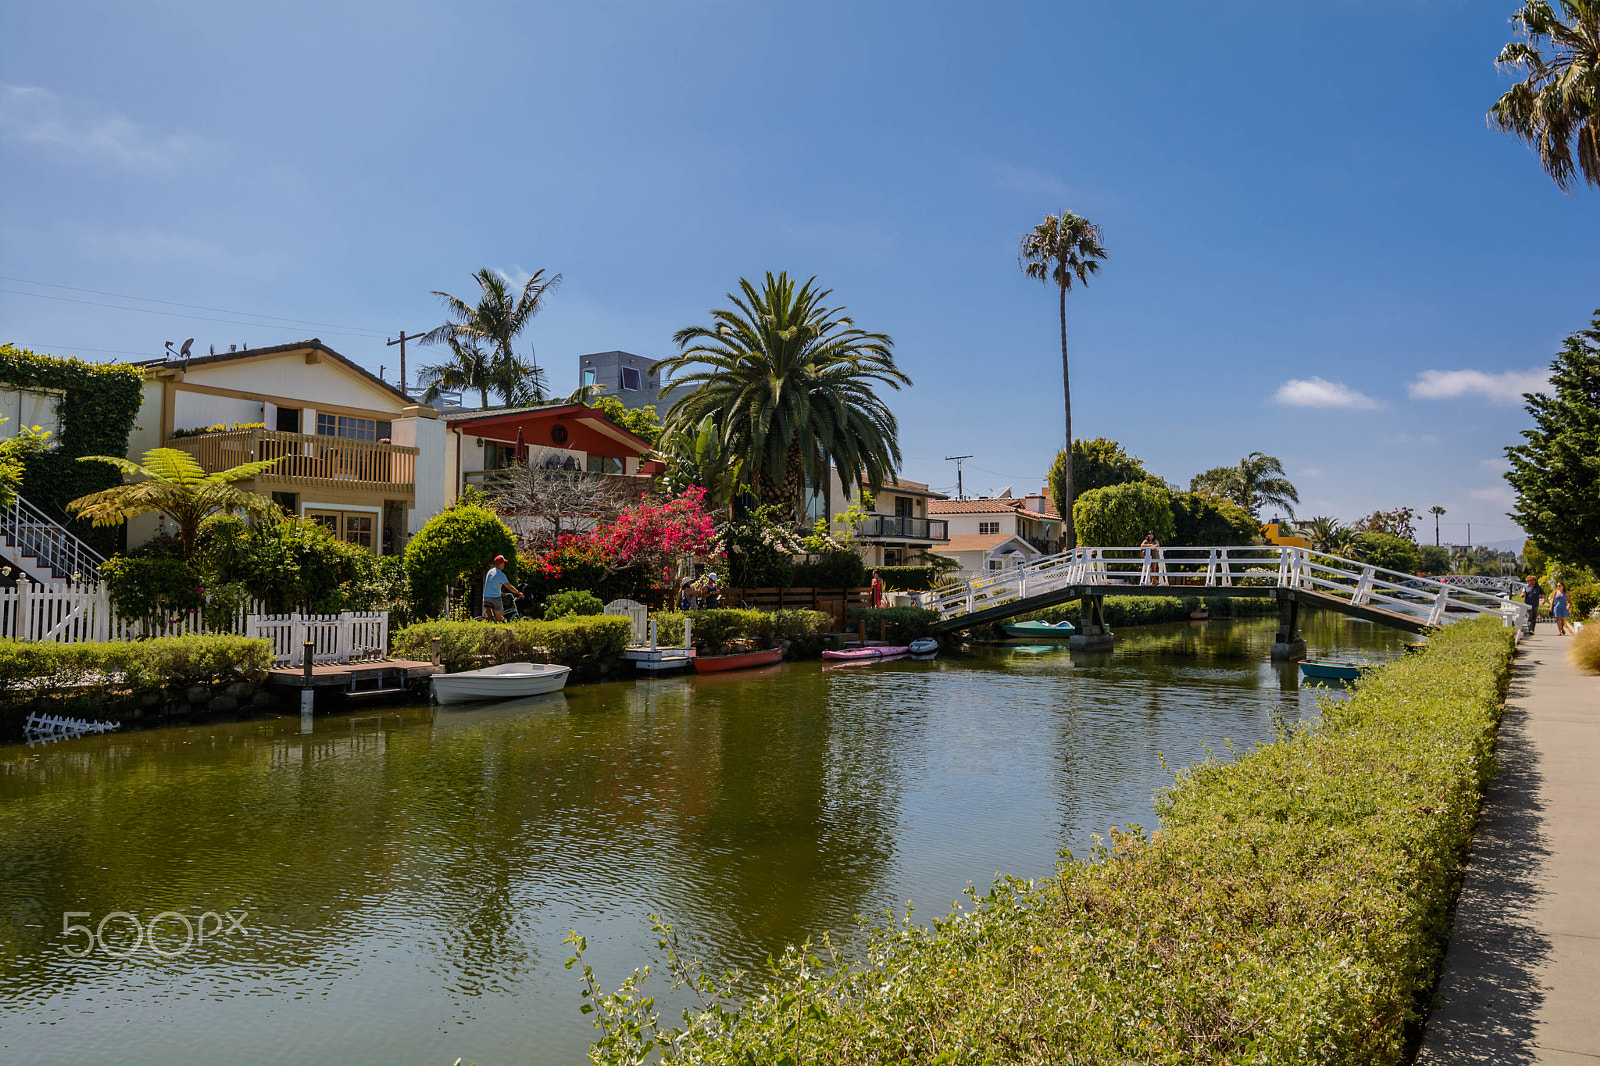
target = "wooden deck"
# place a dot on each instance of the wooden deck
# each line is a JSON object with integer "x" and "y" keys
{"x": 356, "y": 679}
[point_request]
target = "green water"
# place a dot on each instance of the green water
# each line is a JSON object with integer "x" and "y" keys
{"x": 404, "y": 876}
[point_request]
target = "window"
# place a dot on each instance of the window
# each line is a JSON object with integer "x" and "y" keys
{"x": 353, "y": 527}
{"x": 630, "y": 379}
{"x": 891, "y": 557}
{"x": 499, "y": 456}
{"x": 289, "y": 501}
{"x": 288, "y": 420}
{"x": 588, "y": 377}
{"x": 988, "y": 527}
{"x": 902, "y": 506}
{"x": 29, "y": 407}
{"x": 994, "y": 564}
{"x": 346, "y": 427}
{"x": 604, "y": 464}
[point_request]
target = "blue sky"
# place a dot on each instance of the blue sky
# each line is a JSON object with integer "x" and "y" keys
{"x": 1318, "y": 249}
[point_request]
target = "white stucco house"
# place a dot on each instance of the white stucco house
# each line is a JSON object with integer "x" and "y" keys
{"x": 994, "y": 534}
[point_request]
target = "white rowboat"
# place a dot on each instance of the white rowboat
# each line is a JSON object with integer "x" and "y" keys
{"x": 504, "y": 682}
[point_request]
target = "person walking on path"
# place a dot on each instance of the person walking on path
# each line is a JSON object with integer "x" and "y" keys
{"x": 494, "y": 582}
{"x": 1531, "y": 595}
{"x": 1558, "y": 608}
{"x": 877, "y": 590}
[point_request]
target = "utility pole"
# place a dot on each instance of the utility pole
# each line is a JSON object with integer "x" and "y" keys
{"x": 958, "y": 460}
{"x": 404, "y": 387}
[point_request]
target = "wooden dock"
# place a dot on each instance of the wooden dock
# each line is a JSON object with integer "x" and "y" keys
{"x": 378, "y": 677}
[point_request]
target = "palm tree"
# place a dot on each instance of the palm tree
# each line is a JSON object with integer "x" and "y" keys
{"x": 496, "y": 320}
{"x": 693, "y": 455}
{"x": 470, "y": 368}
{"x": 1556, "y": 107}
{"x": 789, "y": 385}
{"x": 1436, "y": 511}
{"x": 177, "y": 486}
{"x": 1257, "y": 481}
{"x": 1324, "y": 533}
{"x": 1062, "y": 248}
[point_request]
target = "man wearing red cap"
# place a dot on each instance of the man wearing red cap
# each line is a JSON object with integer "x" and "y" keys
{"x": 493, "y": 582}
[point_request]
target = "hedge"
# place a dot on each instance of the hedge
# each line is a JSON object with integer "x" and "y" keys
{"x": 107, "y": 678}
{"x": 899, "y": 625}
{"x": 591, "y": 644}
{"x": 1149, "y": 610}
{"x": 1293, "y": 908}
{"x": 716, "y": 628}
{"x": 910, "y": 578}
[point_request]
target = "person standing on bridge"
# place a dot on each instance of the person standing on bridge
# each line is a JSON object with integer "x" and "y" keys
{"x": 1531, "y": 595}
{"x": 1152, "y": 558}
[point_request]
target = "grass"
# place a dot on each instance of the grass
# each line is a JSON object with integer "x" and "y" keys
{"x": 1293, "y": 907}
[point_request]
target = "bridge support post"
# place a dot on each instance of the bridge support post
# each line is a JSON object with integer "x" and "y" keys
{"x": 1287, "y": 645}
{"x": 1093, "y": 634}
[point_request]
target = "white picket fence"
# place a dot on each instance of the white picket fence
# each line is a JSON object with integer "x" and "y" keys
{"x": 350, "y": 636}
{"x": 74, "y": 613}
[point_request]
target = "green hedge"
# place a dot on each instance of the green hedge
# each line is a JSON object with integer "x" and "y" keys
{"x": 1149, "y": 610}
{"x": 102, "y": 680}
{"x": 904, "y": 624}
{"x": 1294, "y": 908}
{"x": 717, "y": 627}
{"x": 910, "y": 578}
{"x": 591, "y": 644}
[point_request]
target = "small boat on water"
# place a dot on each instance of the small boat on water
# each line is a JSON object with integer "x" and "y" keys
{"x": 1333, "y": 669}
{"x": 739, "y": 660}
{"x": 870, "y": 653}
{"x": 924, "y": 646}
{"x": 1039, "y": 630}
{"x": 504, "y": 682}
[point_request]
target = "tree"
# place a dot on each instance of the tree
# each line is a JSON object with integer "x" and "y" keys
{"x": 1120, "y": 515}
{"x": 1095, "y": 464}
{"x": 543, "y": 503}
{"x": 1556, "y": 472}
{"x": 1258, "y": 480}
{"x": 496, "y": 320}
{"x": 1436, "y": 511}
{"x": 176, "y": 486}
{"x": 1387, "y": 551}
{"x": 1433, "y": 559}
{"x": 640, "y": 421}
{"x": 1210, "y": 521}
{"x": 30, "y": 440}
{"x": 1324, "y": 533}
{"x": 1556, "y": 107}
{"x": 456, "y": 547}
{"x": 470, "y": 367}
{"x": 693, "y": 455}
{"x": 657, "y": 537}
{"x": 1399, "y": 522}
{"x": 790, "y": 385}
{"x": 1063, "y": 248}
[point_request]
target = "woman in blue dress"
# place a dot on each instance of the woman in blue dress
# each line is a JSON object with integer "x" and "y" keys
{"x": 1558, "y": 608}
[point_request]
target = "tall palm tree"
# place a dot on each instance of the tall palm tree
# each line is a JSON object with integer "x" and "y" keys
{"x": 1063, "y": 248}
{"x": 1324, "y": 532}
{"x": 1257, "y": 481}
{"x": 1556, "y": 107}
{"x": 177, "y": 486}
{"x": 469, "y": 368}
{"x": 1436, "y": 511}
{"x": 789, "y": 384}
{"x": 496, "y": 320}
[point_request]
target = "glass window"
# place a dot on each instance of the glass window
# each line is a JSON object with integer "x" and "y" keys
{"x": 815, "y": 503}
{"x": 630, "y": 378}
{"x": 288, "y": 420}
{"x": 988, "y": 527}
{"x": 358, "y": 529}
{"x": 994, "y": 564}
{"x": 604, "y": 464}
{"x": 588, "y": 377}
{"x": 346, "y": 427}
{"x": 902, "y": 506}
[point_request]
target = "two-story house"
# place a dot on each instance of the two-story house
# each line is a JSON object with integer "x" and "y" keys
{"x": 899, "y": 528}
{"x": 992, "y": 534}
{"x": 354, "y": 452}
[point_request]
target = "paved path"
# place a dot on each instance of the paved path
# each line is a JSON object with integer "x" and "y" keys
{"x": 1522, "y": 977}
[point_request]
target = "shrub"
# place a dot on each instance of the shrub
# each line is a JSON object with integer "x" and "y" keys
{"x": 293, "y": 564}
{"x": 1119, "y": 516}
{"x": 909, "y": 578}
{"x": 1387, "y": 551}
{"x": 1152, "y": 610}
{"x": 715, "y": 628}
{"x": 901, "y": 625}
{"x": 831, "y": 570}
{"x": 1432, "y": 559}
{"x": 591, "y": 645}
{"x": 1583, "y": 599}
{"x": 563, "y": 604}
{"x": 456, "y": 547}
{"x": 1584, "y": 651}
{"x": 1202, "y": 521}
{"x": 1294, "y": 908}
{"x": 156, "y": 591}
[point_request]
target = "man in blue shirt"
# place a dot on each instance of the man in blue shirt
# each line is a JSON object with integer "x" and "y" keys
{"x": 493, "y": 582}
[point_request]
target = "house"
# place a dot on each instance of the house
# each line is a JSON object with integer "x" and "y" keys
{"x": 898, "y": 529}
{"x": 993, "y": 534}
{"x": 354, "y": 452}
{"x": 633, "y": 379}
{"x": 568, "y": 436}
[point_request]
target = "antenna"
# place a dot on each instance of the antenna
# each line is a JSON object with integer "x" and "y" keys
{"x": 958, "y": 460}
{"x": 184, "y": 351}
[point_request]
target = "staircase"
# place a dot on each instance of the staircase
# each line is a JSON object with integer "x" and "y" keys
{"x": 42, "y": 548}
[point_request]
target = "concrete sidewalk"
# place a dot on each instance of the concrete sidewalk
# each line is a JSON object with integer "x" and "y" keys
{"x": 1522, "y": 973}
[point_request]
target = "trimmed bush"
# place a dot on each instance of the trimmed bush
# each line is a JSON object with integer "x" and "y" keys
{"x": 715, "y": 629}
{"x": 579, "y": 602}
{"x": 1120, "y": 515}
{"x": 591, "y": 644}
{"x": 830, "y": 570}
{"x": 1151, "y": 610}
{"x": 905, "y": 624}
{"x": 1294, "y": 908}
{"x": 456, "y": 547}
{"x": 909, "y": 578}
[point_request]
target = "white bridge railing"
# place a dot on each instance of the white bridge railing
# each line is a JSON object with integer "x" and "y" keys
{"x": 1429, "y": 601}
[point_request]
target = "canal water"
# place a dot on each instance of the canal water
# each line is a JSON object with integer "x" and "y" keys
{"x": 394, "y": 886}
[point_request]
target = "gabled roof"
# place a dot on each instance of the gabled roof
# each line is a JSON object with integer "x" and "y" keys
{"x": 278, "y": 349}
{"x": 986, "y": 542}
{"x": 485, "y": 420}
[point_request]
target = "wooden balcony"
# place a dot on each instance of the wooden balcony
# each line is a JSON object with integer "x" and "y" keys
{"x": 308, "y": 461}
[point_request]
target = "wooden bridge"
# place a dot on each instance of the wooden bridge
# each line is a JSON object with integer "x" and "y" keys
{"x": 1295, "y": 577}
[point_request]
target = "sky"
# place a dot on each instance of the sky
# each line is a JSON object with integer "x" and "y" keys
{"x": 1317, "y": 248}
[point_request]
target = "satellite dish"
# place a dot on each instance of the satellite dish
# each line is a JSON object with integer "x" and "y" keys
{"x": 184, "y": 351}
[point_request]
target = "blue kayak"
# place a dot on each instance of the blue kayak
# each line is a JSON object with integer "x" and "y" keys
{"x": 1038, "y": 630}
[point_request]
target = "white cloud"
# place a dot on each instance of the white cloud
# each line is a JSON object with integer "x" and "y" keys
{"x": 31, "y": 115}
{"x": 1500, "y": 494}
{"x": 1496, "y": 465}
{"x": 1317, "y": 392}
{"x": 1505, "y": 387}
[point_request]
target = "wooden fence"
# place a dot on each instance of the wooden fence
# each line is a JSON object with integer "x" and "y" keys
{"x": 832, "y": 602}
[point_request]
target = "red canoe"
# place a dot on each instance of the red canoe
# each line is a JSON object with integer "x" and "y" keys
{"x": 711, "y": 664}
{"x": 876, "y": 651}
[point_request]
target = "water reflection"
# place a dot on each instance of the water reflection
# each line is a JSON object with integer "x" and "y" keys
{"x": 409, "y": 873}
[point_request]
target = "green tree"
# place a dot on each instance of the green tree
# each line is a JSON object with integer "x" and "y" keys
{"x": 1063, "y": 248}
{"x": 790, "y": 384}
{"x": 1388, "y": 551}
{"x": 1433, "y": 559}
{"x": 1436, "y": 511}
{"x": 1095, "y": 464}
{"x": 640, "y": 421}
{"x": 1556, "y": 107}
{"x": 694, "y": 455}
{"x": 1556, "y": 473}
{"x": 469, "y": 367}
{"x": 496, "y": 320}
{"x": 177, "y": 486}
{"x": 1534, "y": 557}
{"x": 456, "y": 547}
{"x": 1259, "y": 480}
{"x": 1324, "y": 533}
{"x": 1118, "y": 516}
{"x": 30, "y": 440}
{"x": 1206, "y": 521}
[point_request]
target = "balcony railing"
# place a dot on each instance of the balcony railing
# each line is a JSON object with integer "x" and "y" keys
{"x": 307, "y": 460}
{"x": 888, "y": 525}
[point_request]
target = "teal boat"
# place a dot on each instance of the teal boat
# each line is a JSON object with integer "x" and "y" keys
{"x": 1332, "y": 669}
{"x": 1039, "y": 630}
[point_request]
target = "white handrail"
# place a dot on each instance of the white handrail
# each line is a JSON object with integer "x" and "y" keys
{"x": 33, "y": 533}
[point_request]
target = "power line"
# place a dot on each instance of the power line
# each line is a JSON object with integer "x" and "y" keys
{"x": 297, "y": 323}
{"x": 34, "y": 345}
